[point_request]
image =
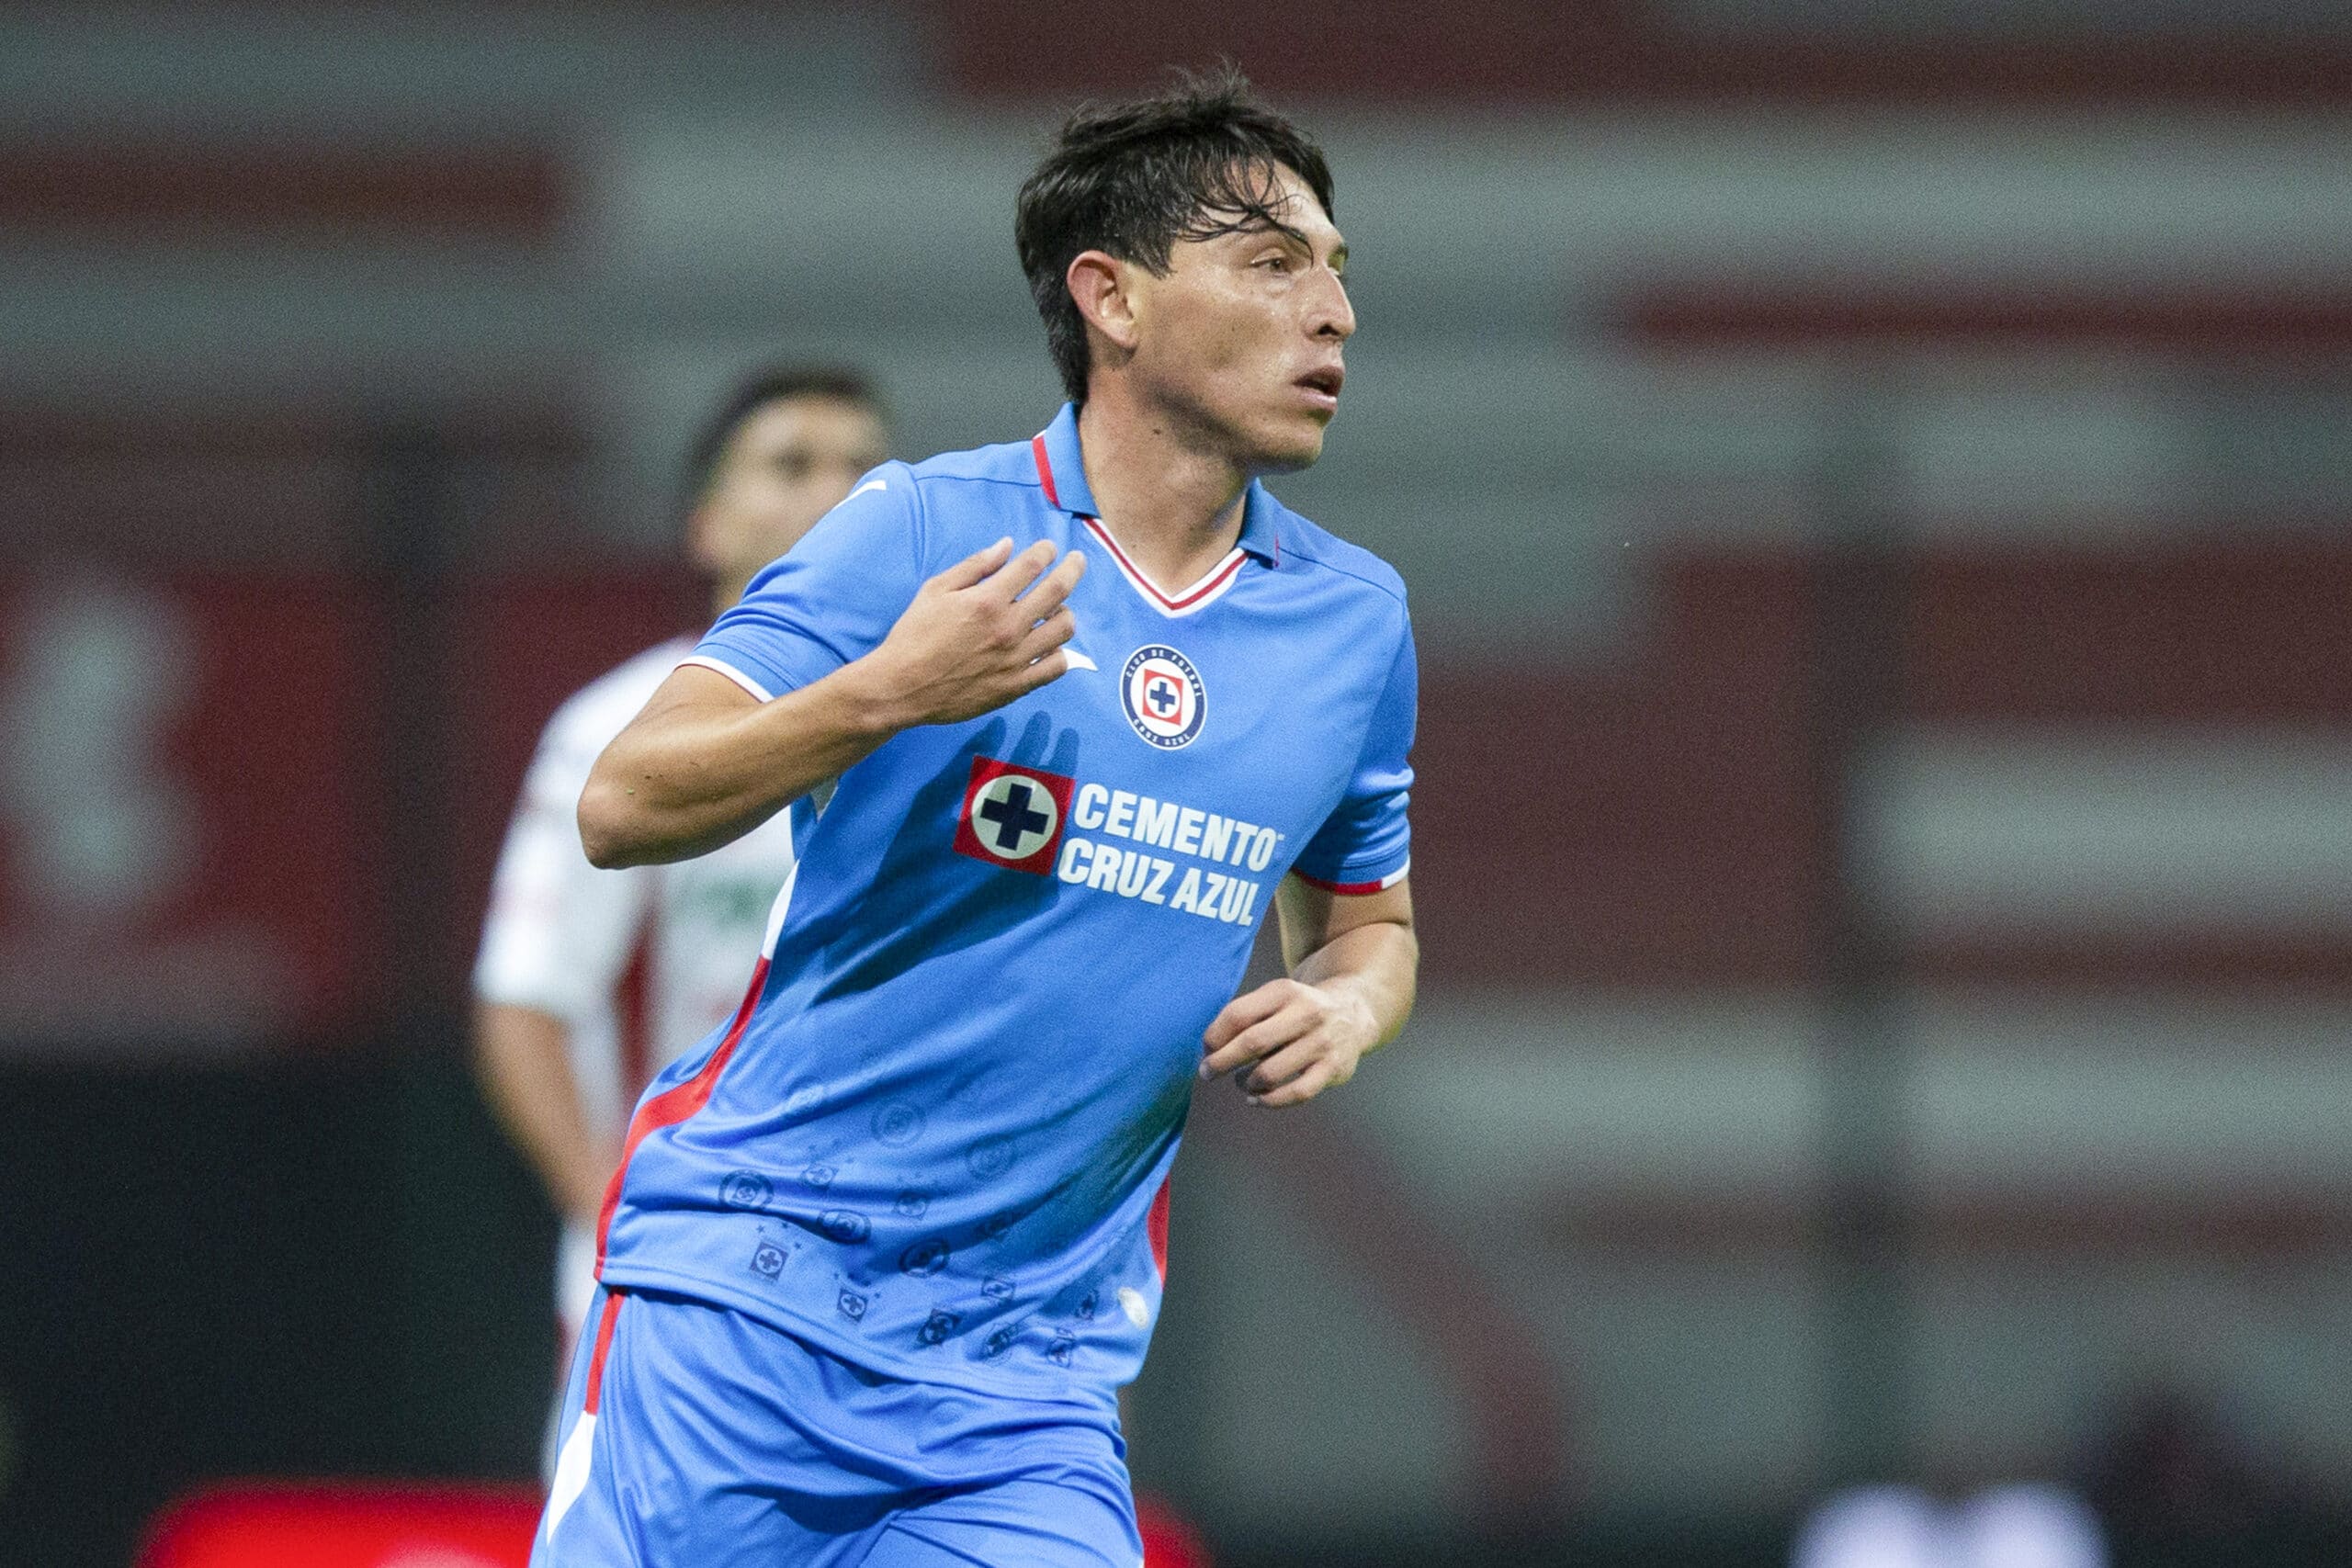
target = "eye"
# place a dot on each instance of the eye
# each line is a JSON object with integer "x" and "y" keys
{"x": 1278, "y": 262}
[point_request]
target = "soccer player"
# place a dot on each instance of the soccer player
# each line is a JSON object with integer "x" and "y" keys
{"x": 559, "y": 1053}
{"x": 882, "y": 1250}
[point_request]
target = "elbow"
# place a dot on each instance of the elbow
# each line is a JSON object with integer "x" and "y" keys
{"x": 607, "y": 834}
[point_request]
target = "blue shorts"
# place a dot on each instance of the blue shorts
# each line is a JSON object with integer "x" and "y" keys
{"x": 694, "y": 1437}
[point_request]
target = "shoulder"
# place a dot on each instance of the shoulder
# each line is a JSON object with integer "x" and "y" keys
{"x": 1318, "y": 548}
{"x": 935, "y": 505}
{"x": 1005, "y": 463}
{"x": 974, "y": 488}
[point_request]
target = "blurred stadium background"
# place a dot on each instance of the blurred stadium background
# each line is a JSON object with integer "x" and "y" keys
{"x": 1873, "y": 476}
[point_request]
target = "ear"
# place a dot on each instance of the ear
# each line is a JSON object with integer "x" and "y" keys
{"x": 1103, "y": 287}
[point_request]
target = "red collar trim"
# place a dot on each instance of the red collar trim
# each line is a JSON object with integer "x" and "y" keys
{"x": 1219, "y": 576}
{"x": 1045, "y": 469}
{"x": 1208, "y": 587}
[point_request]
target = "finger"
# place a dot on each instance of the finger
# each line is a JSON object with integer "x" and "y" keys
{"x": 1279, "y": 1067}
{"x": 1300, "y": 1090}
{"x": 1265, "y": 1035}
{"x": 973, "y": 567}
{"x": 1258, "y": 1040}
{"x": 1244, "y": 1010}
{"x": 1048, "y": 669}
{"x": 1048, "y": 635}
{"x": 1021, "y": 570}
{"x": 1048, "y": 595}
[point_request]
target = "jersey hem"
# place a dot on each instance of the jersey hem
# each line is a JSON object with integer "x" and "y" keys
{"x": 861, "y": 1353}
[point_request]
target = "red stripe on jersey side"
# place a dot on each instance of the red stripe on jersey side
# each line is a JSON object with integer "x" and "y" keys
{"x": 672, "y": 1106}
{"x": 1215, "y": 580}
{"x": 1155, "y": 1226}
{"x": 1045, "y": 469}
{"x": 1353, "y": 889}
{"x": 595, "y": 1392}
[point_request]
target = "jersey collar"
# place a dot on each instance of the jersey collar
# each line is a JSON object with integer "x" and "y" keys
{"x": 1062, "y": 473}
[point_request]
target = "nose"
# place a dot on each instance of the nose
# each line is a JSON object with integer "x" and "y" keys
{"x": 1332, "y": 317}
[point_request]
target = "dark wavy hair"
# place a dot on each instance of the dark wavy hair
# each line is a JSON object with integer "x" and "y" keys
{"x": 1132, "y": 179}
{"x": 772, "y": 385}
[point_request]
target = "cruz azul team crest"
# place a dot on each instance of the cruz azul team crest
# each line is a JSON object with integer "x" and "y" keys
{"x": 1163, "y": 696}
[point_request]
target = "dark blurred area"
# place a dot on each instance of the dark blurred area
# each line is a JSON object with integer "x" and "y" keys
{"x": 1873, "y": 483}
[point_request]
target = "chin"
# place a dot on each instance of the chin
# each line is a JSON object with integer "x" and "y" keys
{"x": 1288, "y": 450}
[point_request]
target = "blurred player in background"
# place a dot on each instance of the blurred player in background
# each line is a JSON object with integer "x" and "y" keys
{"x": 880, "y": 1254}
{"x": 590, "y": 981}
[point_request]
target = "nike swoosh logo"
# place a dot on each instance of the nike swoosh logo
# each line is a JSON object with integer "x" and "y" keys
{"x": 870, "y": 484}
{"x": 1077, "y": 659}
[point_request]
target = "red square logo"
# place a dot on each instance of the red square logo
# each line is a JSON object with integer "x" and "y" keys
{"x": 1012, "y": 815}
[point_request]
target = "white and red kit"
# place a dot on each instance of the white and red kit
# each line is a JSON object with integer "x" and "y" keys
{"x": 639, "y": 964}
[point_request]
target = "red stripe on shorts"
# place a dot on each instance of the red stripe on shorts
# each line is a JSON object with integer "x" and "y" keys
{"x": 589, "y": 1400}
{"x": 1155, "y": 1225}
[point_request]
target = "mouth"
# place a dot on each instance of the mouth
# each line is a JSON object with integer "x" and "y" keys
{"x": 1322, "y": 386}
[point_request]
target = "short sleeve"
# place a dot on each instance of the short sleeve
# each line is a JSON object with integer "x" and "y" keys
{"x": 832, "y": 598}
{"x": 559, "y": 930}
{"x": 1366, "y": 843}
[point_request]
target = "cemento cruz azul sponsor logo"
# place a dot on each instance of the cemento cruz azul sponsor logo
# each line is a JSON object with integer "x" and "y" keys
{"x": 1047, "y": 824}
{"x": 1151, "y": 823}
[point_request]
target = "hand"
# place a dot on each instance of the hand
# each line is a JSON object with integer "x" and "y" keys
{"x": 987, "y": 630}
{"x": 1302, "y": 1039}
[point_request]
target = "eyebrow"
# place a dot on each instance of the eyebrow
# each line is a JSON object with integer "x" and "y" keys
{"x": 1262, "y": 224}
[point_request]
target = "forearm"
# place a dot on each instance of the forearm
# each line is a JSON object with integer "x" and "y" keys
{"x": 690, "y": 777}
{"x": 527, "y": 1075}
{"x": 1348, "y": 992}
{"x": 1373, "y": 967}
{"x": 705, "y": 762}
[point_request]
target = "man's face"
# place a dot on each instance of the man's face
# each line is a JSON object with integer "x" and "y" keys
{"x": 1241, "y": 340}
{"x": 787, "y": 465}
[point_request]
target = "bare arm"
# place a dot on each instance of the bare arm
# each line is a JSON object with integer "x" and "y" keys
{"x": 705, "y": 762}
{"x": 527, "y": 1074}
{"x": 1353, "y": 961}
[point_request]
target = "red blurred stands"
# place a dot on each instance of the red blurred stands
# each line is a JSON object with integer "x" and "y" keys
{"x": 1168, "y": 1540}
{"x": 275, "y": 1523}
{"x": 278, "y": 1524}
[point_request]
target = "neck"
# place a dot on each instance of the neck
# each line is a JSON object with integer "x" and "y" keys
{"x": 1172, "y": 501}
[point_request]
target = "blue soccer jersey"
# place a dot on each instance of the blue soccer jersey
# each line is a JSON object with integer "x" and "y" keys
{"x": 935, "y": 1139}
